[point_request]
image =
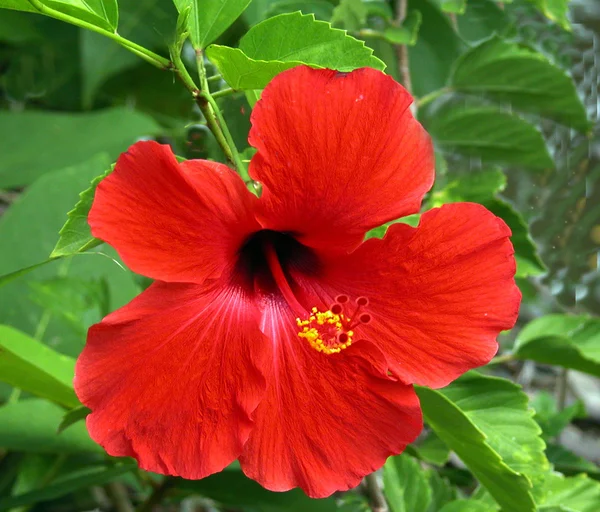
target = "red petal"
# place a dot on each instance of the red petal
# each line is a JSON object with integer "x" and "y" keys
{"x": 327, "y": 420}
{"x": 170, "y": 221}
{"x": 439, "y": 294}
{"x": 173, "y": 378}
{"x": 338, "y": 154}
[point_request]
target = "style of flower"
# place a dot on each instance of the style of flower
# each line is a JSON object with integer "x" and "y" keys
{"x": 273, "y": 333}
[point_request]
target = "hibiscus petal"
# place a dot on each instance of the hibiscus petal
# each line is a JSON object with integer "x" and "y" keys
{"x": 338, "y": 154}
{"x": 327, "y": 420}
{"x": 169, "y": 221}
{"x": 439, "y": 294}
{"x": 174, "y": 377}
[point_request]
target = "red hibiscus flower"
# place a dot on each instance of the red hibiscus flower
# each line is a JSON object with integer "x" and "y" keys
{"x": 272, "y": 333}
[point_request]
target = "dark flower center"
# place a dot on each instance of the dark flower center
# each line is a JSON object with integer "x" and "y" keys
{"x": 267, "y": 263}
{"x": 255, "y": 272}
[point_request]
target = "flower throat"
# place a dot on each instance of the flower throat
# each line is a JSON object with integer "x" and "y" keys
{"x": 329, "y": 331}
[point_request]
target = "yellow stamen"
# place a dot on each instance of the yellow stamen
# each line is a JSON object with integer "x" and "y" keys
{"x": 315, "y": 331}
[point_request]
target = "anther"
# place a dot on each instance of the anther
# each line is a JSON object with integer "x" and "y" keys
{"x": 365, "y": 318}
{"x": 336, "y": 309}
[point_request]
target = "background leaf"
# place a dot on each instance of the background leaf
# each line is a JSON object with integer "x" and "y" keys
{"x": 250, "y": 495}
{"x": 490, "y": 134}
{"x": 524, "y": 78}
{"x": 37, "y": 142}
{"x": 485, "y": 420}
{"x": 286, "y": 41}
{"x": 562, "y": 340}
{"x": 33, "y": 367}
{"x": 102, "y": 13}
{"x": 75, "y": 235}
{"x": 405, "y": 485}
{"x": 30, "y": 227}
{"x": 208, "y": 19}
{"x": 32, "y": 426}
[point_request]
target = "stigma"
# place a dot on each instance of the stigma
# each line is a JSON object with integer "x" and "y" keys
{"x": 332, "y": 331}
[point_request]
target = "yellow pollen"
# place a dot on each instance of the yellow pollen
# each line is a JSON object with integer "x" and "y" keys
{"x": 321, "y": 330}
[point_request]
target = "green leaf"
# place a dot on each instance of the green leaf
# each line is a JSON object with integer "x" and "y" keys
{"x": 322, "y": 9}
{"x": 441, "y": 491}
{"x": 73, "y": 416}
{"x": 242, "y": 72}
{"x": 31, "y": 366}
{"x": 286, "y": 41}
{"x": 569, "y": 463}
{"x": 555, "y": 10}
{"x": 408, "y": 32}
{"x": 208, "y": 19}
{"x": 147, "y": 22}
{"x": 529, "y": 262}
{"x": 466, "y": 506}
{"x": 454, "y": 6}
{"x": 17, "y": 5}
{"x": 349, "y": 14}
{"x": 46, "y": 68}
{"x": 562, "y": 340}
{"x": 482, "y": 18}
{"x": 476, "y": 187}
{"x": 18, "y": 29}
{"x": 101, "y": 13}
{"x": 486, "y": 421}
{"x": 29, "y": 227}
{"x": 431, "y": 450}
{"x": 32, "y": 426}
{"x": 75, "y": 235}
{"x": 437, "y": 47}
{"x": 516, "y": 74}
{"x": 73, "y": 301}
{"x": 405, "y": 485}
{"x": 490, "y": 134}
{"x": 379, "y": 232}
{"x": 301, "y": 38}
{"x": 37, "y": 142}
{"x": 551, "y": 419}
{"x": 66, "y": 485}
{"x": 250, "y": 495}
{"x": 577, "y": 494}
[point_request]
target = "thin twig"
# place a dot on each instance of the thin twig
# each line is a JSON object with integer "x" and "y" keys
{"x": 561, "y": 388}
{"x": 119, "y": 497}
{"x": 453, "y": 20}
{"x": 374, "y": 494}
{"x": 402, "y": 49}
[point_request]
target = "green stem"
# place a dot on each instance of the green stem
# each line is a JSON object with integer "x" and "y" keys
{"x": 224, "y": 92}
{"x": 140, "y": 51}
{"x": 237, "y": 159}
{"x": 202, "y": 72}
{"x": 182, "y": 73}
{"x": 216, "y": 122}
{"x": 428, "y": 98}
{"x": 504, "y": 358}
